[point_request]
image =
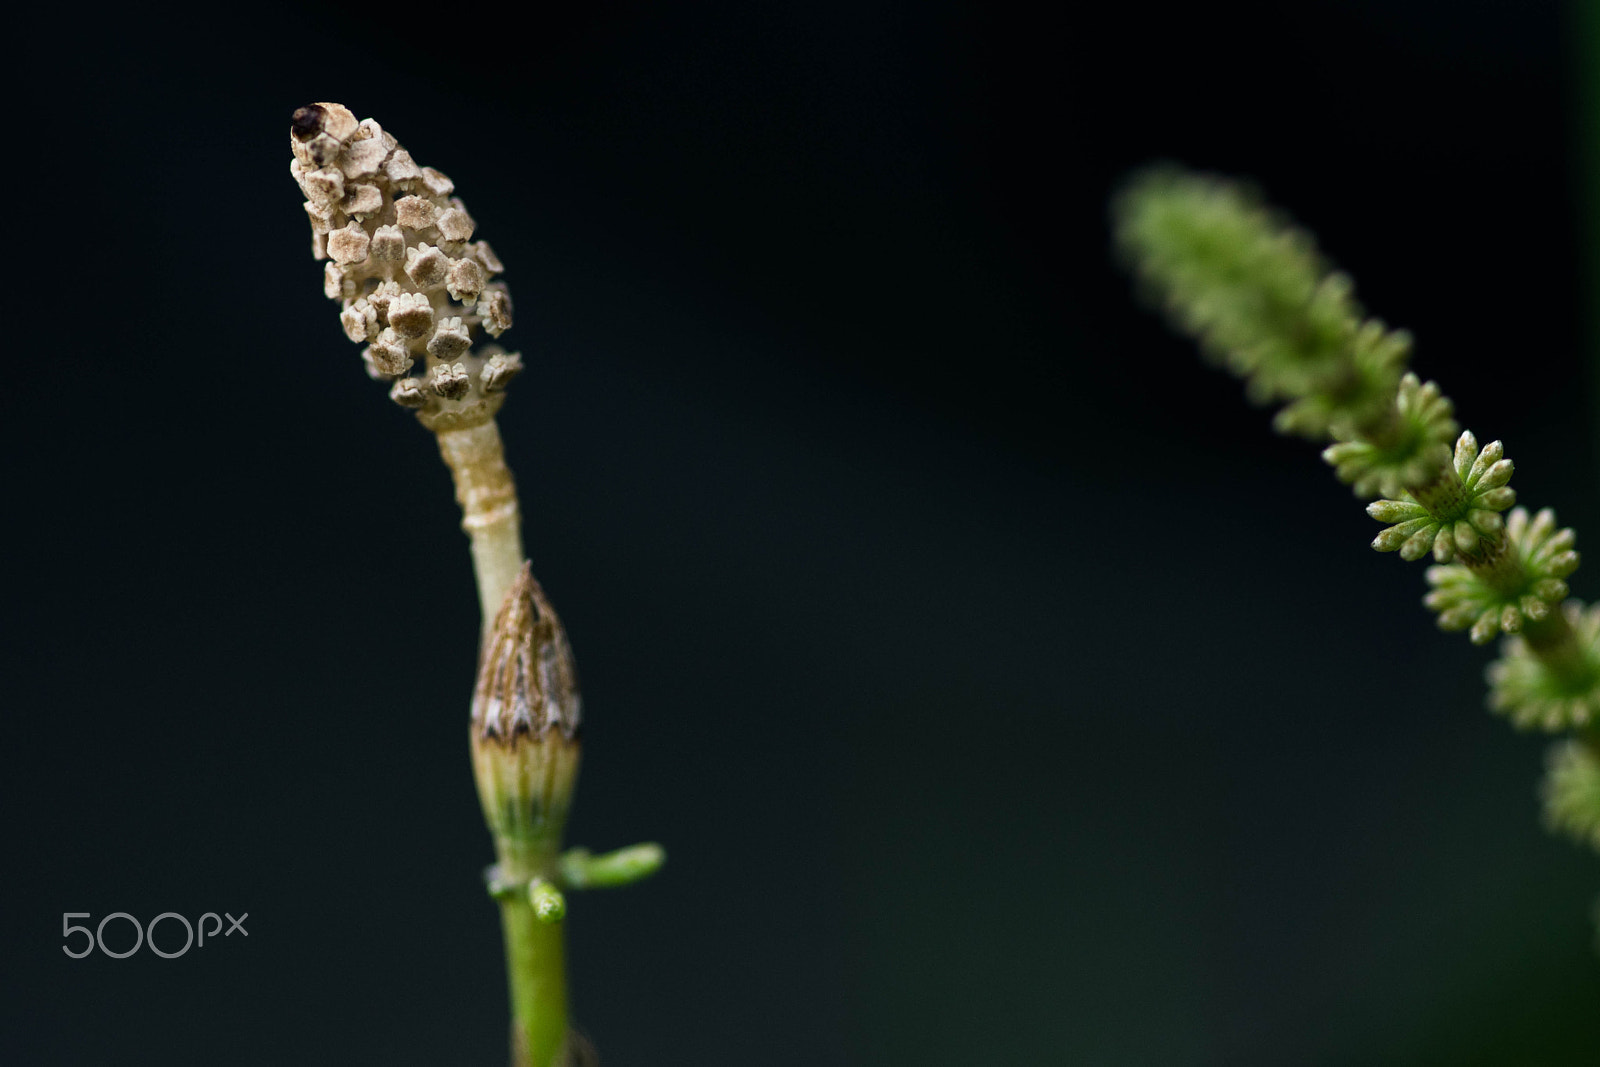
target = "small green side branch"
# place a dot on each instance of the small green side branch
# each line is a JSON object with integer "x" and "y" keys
{"x": 1261, "y": 300}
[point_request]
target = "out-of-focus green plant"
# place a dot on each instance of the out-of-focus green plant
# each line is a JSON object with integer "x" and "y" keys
{"x": 1261, "y": 300}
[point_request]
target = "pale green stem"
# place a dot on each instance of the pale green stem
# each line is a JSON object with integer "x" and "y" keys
{"x": 536, "y": 969}
{"x": 489, "y": 512}
{"x": 535, "y": 957}
{"x": 1557, "y": 645}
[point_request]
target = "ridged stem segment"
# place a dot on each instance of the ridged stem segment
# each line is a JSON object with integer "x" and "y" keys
{"x": 490, "y": 514}
{"x": 1562, "y": 652}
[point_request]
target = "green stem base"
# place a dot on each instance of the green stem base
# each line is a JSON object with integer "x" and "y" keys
{"x": 536, "y": 969}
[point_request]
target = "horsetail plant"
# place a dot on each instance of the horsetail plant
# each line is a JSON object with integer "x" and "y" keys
{"x": 1261, "y": 300}
{"x": 415, "y": 288}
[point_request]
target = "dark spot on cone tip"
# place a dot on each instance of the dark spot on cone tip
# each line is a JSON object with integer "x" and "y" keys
{"x": 306, "y": 122}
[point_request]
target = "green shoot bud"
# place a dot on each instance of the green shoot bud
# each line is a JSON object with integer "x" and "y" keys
{"x": 549, "y": 906}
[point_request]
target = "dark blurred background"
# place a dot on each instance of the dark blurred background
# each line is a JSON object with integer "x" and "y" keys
{"x": 1004, "y": 691}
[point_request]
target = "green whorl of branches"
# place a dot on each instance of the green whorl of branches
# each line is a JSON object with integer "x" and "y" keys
{"x": 1262, "y": 301}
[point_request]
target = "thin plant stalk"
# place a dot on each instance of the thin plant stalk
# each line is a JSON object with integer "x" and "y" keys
{"x": 421, "y": 295}
{"x": 489, "y": 511}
